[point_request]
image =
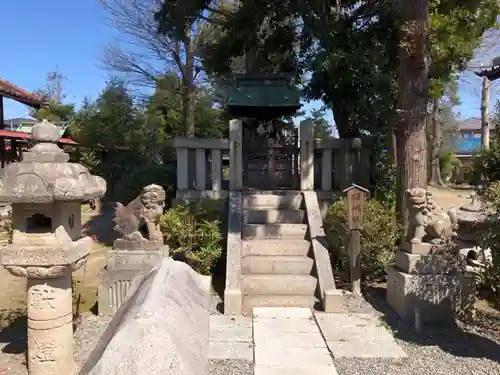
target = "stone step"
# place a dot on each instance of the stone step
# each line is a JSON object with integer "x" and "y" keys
{"x": 282, "y": 265}
{"x": 269, "y": 300}
{"x": 273, "y": 231}
{"x": 273, "y": 216}
{"x": 296, "y": 247}
{"x": 279, "y": 284}
{"x": 273, "y": 201}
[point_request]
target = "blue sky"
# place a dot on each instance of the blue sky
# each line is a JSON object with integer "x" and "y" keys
{"x": 70, "y": 36}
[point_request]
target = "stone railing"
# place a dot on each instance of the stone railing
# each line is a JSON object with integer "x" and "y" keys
{"x": 331, "y": 298}
{"x": 338, "y": 163}
{"x": 325, "y": 165}
{"x": 200, "y": 164}
{"x": 232, "y": 291}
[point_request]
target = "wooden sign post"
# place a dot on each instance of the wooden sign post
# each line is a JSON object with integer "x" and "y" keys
{"x": 355, "y": 198}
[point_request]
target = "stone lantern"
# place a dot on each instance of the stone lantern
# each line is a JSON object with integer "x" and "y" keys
{"x": 46, "y": 191}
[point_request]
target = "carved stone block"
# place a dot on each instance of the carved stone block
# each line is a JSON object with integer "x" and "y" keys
{"x": 417, "y": 248}
{"x": 428, "y": 263}
{"x": 434, "y": 295}
{"x": 135, "y": 259}
{"x": 123, "y": 244}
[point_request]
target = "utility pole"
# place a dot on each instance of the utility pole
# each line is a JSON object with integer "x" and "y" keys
{"x": 488, "y": 75}
{"x": 485, "y": 126}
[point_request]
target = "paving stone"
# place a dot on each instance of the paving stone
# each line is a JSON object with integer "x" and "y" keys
{"x": 355, "y": 333}
{"x": 343, "y": 317}
{"x": 285, "y": 325}
{"x": 266, "y": 355}
{"x": 230, "y": 350}
{"x": 281, "y": 313}
{"x": 232, "y": 334}
{"x": 366, "y": 349}
{"x": 290, "y": 339}
{"x": 218, "y": 321}
{"x": 305, "y": 369}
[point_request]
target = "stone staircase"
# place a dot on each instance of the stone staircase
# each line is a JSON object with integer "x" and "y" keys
{"x": 276, "y": 267}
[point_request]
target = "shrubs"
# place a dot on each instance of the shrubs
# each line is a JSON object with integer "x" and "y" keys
{"x": 378, "y": 237}
{"x": 490, "y": 238}
{"x": 131, "y": 183}
{"x": 486, "y": 165}
{"x": 193, "y": 232}
{"x": 449, "y": 166}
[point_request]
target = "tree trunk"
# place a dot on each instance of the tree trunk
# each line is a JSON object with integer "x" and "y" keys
{"x": 412, "y": 103}
{"x": 437, "y": 140}
{"x": 188, "y": 92}
{"x": 188, "y": 110}
{"x": 394, "y": 147}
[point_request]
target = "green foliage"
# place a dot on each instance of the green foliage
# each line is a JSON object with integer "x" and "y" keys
{"x": 322, "y": 128}
{"x": 349, "y": 50}
{"x": 385, "y": 179}
{"x": 486, "y": 164}
{"x": 55, "y": 112}
{"x": 131, "y": 183}
{"x": 53, "y": 93}
{"x": 193, "y": 233}
{"x": 449, "y": 165}
{"x": 378, "y": 237}
{"x": 490, "y": 238}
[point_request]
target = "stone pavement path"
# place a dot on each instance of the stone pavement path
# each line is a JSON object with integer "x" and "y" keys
{"x": 289, "y": 341}
{"x": 358, "y": 336}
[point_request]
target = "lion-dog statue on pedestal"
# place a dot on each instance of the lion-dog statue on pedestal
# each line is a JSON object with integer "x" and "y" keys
{"x": 427, "y": 218}
{"x": 137, "y": 221}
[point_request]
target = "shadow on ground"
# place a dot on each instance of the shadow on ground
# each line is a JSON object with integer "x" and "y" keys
{"x": 99, "y": 224}
{"x": 14, "y": 331}
{"x": 449, "y": 337}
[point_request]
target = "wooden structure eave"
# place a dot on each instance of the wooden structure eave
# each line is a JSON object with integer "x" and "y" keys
{"x": 11, "y": 91}
{"x": 492, "y": 74}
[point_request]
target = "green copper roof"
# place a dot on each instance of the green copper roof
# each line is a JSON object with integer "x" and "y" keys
{"x": 260, "y": 91}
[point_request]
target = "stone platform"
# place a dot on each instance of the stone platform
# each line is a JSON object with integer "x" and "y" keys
{"x": 122, "y": 266}
{"x": 289, "y": 341}
{"x": 426, "y": 280}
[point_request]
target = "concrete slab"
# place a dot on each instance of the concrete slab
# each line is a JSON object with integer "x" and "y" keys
{"x": 346, "y": 317}
{"x": 274, "y": 356}
{"x": 224, "y": 321}
{"x": 282, "y": 313}
{"x": 289, "y": 339}
{"x": 358, "y": 336}
{"x": 230, "y": 350}
{"x": 305, "y": 369}
{"x": 285, "y": 325}
{"x": 366, "y": 349}
{"x": 231, "y": 334}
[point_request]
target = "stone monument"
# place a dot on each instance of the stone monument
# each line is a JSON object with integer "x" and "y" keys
{"x": 427, "y": 283}
{"x": 138, "y": 249}
{"x": 45, "y": 191}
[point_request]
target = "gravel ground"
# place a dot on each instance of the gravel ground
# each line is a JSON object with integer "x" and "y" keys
{"x": 451, "y": 349}
{"x": 230, "y": 367}
{"x": 444, "y": 350}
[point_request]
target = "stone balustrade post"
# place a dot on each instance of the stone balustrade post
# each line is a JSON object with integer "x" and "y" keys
{"x": 306, "y": 136}
{"x": 235, "y": 154}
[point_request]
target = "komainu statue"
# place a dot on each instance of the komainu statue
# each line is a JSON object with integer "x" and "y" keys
{"x": 429, "y": 220}
{"x": 137, "y": 221}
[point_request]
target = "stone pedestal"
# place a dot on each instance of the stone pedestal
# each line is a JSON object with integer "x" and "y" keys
{"x": 124, "y": 262}
{"x": 425, "y": 278}
{"x": 45, "y": 192}
{"x": 50, "y": 328}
